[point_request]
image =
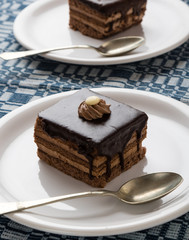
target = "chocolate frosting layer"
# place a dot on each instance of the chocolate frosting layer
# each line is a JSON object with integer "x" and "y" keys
{"x": 107, "y": 7}
{"x": 108, "y": 135}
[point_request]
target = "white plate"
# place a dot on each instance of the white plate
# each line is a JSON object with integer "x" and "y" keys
{"x": 24, "y": 177}
{"x": 45, "y": 23}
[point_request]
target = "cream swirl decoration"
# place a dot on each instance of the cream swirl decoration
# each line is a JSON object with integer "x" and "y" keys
{"x": 93, "y": 108}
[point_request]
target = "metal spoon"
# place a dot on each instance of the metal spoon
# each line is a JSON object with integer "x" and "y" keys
{"x": 136, "y": 191}
{"x": 111, "y": 48}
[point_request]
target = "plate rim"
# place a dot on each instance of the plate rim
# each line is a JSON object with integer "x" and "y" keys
{"x": 101, "y": 61}
{"x": 81, "y": 231}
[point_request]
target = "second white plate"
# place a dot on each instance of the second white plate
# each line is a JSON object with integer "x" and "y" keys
{"x": 24, "y": 177}
{"x": 45, "y": 23}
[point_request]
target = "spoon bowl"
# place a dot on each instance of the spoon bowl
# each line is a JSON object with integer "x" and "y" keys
{"x": 120, "y": 46}
{"x": 115, "y": 47}
{"x": 136, "y": 191}
{"x": 149, "y": 187}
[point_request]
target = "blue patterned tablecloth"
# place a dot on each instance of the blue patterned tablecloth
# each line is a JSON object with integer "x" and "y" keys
{"x": 31, "y": 78}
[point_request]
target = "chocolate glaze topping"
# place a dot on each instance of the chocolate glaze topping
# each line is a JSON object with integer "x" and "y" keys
{"x": 107, "y": 7}
{"x": 108, "y": 135}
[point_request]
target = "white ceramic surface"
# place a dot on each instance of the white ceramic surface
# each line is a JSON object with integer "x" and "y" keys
{"x": 24, "y": 177}
{"x": 45, "y": 23}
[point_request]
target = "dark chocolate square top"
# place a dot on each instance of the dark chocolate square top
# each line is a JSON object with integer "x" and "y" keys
{"x": 108, "y": 7}
{"x": 62, "y": 120}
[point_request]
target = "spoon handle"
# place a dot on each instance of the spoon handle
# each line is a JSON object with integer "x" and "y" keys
{"x": 10, "y": 207}
{"x": 20, "y": 54}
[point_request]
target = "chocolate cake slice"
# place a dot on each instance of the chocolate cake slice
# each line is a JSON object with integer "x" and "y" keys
{"x": 103, "y": 18}
{"x": 93, "y": 144}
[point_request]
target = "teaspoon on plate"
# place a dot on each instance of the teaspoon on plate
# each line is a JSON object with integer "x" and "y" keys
{"x": 115, "y": 47}
{"x": 139, "y": 190}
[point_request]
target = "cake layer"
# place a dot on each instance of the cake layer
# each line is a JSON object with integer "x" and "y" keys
{"x": 75, "y": 159}
{"x": 68, "y": 151}
{"x": 105, "y": 8}
{"x": 64, "y": 152}
{"x": 114, "y": 23}
{"x": 93, "y": 151}
{"x": 83, "y": 176}
{"x": 102, "y": 19}
{"x": 42, "y": 137}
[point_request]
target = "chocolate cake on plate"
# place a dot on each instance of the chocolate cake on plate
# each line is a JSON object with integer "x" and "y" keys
{"x": 103, "y": 18}
{"x": 91, "y": 137}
